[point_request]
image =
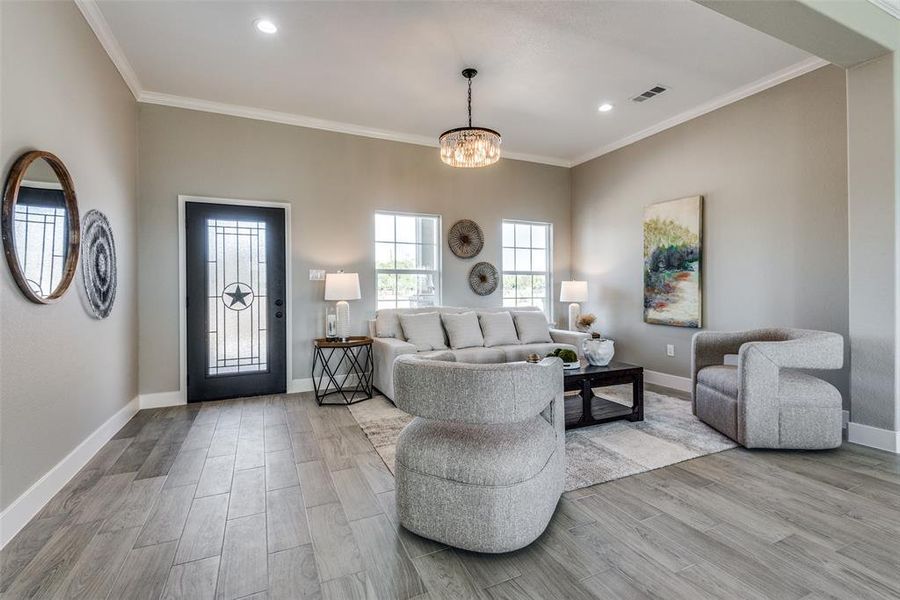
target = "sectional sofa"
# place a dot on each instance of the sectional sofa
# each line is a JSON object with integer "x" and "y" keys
{"x": 486, "y": 335}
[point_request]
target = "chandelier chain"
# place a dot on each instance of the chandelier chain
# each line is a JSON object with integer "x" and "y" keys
{"x": 470, "y": 101}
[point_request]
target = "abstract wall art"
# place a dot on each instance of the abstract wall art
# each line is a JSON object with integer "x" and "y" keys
{"x": 673, "y": 232}
{"x": 98, "y": 263}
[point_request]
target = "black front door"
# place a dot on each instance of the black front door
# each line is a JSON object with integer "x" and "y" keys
{"x": 236, "y": 310}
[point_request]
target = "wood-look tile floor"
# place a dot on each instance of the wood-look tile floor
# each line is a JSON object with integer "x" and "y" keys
{"x": 278, "y": 498}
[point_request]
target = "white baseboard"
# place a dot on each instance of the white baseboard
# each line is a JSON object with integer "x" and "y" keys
{"x": 23, "y": 508}
{"x": 873, "y": 437}
{"x": 666, "y": 380}
{"x": 162, "y": 399}
{"x": 300, "y": 385}
{"x": 177, "y": 398}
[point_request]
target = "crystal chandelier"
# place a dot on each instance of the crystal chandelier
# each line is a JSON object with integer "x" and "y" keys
{"x": 470, "y": 146}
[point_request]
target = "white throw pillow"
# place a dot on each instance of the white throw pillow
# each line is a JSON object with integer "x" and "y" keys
{"x": 463, "y": 330}
{"x": 387, "y": 324}
{"x": 423, "y": 330}
{"x": 498, "y": 329}
{"x": 532, "y": 327}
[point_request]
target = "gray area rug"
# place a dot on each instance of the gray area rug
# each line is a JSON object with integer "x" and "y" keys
{"x": 669, "y": 434}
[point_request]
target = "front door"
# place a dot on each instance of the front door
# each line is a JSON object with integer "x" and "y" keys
{"x": 236, "y": 311}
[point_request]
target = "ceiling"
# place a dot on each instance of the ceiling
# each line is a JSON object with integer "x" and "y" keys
{"x": 392, "y": 69}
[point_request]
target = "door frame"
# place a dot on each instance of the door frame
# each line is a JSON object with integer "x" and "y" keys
{"x": 182, "y": 282}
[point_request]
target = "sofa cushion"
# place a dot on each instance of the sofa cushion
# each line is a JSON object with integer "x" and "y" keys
{"x": 482, "y": 356}
{"x": 423, "y": 330}
{"x": 722, "y": 378}
{"x": 463, "y": 330}
{"x": 458, "y": 451}
{"x": 532, "y": 327}
{"x": 475, "y": 356}
{"x": 498, "y": 329}
{"x": 519, "y": 352}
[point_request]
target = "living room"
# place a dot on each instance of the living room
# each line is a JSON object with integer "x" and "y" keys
{"x": 697, "y": 199}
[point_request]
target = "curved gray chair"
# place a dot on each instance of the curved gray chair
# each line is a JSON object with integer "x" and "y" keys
{"x": 764, "y": 401}
{"x": 482, "y": 465}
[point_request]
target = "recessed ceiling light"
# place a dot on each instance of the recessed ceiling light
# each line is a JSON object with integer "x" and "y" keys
{"x": 265, "y": 25}
{"x": 605, "y": 107}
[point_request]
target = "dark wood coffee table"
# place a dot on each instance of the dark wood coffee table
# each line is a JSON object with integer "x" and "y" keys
{"x": 595, "y": 409}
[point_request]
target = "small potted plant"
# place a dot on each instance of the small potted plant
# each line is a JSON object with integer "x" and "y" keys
{"x": 569, "y": 358}
{"x": 598, "y": 350}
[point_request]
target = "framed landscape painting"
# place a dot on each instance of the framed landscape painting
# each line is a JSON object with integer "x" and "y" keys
{"x": 673, "y": 232}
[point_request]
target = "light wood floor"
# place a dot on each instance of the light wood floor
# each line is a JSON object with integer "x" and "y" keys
{"x": 278, "y": 498}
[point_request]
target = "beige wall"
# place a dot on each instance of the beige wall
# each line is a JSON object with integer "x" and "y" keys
{"x": 773, "y": 171}
{"x": 334, "y": 183}
{"x": 872, "y": 220}
{"x": 63, "y": 373}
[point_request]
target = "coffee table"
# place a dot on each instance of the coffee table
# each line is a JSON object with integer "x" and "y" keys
{"x": 595, "y": 409}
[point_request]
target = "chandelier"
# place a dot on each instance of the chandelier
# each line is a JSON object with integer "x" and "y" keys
{"x": 470, "y": 147}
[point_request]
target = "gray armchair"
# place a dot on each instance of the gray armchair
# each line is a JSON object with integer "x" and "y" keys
{"x": 482, "y": 465}
{"x": 764, "y": 401}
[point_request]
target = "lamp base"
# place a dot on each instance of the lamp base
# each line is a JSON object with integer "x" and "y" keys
{"x": 574, "y": 313}
{"x": 342, "y": 308}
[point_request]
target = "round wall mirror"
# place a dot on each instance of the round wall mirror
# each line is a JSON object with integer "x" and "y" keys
{"x": 41, "y": 232}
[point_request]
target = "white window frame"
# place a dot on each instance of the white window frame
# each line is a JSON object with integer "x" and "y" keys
{"x": 438, "y": 274}
{"x": 548, "y": 298}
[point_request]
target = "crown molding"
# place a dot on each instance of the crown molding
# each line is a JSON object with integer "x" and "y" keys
{"x": 102, "y": 30}
{"x": 260, "y": 114}
{"x": 94, "y": 17}
{"x": 891, "y": 7}
{"x": 796, "y": 70}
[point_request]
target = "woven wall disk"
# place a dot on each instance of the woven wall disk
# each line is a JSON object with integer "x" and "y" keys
{"x": 466, "y": 239}
{"x": 483, "y": 278}
{"x": 98, "y": 263}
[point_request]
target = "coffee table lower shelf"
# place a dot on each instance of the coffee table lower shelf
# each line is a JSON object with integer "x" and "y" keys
{"x": 596, "y": 410}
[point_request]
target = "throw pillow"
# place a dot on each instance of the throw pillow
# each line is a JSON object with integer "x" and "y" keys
{"x": 532, "y": 327}
{"x": 387, "y": 324}
{"x": 423, "y": 330}
{"x": 463, "y": 330}
{"x": 498, "y": 329}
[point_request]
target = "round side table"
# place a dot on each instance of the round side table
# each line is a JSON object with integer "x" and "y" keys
{"x": 342, "y": 367}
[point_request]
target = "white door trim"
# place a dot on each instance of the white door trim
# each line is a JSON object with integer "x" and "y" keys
{"x": 182, "y": 283}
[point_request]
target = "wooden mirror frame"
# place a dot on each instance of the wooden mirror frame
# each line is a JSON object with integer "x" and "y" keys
{"x": 11, "y": 196}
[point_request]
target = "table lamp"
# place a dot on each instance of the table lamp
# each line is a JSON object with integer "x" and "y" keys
{"x": 574, "y": 292}
{"x": 342, "y": 286}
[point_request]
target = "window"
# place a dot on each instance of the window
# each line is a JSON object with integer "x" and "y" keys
{"x": 407, "y": 260}
{"x": 526, "y": 265}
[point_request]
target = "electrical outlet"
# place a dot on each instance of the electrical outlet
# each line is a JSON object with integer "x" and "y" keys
{"x": 670, "y": 349}
{"x": 317, "y": 274}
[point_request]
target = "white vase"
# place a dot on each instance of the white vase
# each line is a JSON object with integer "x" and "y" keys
{"x": 598, "y": 351}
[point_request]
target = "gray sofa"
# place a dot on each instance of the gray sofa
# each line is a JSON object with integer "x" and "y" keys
{"x": 765, "y": 401}
{"x": 482, "y": 466}
{"x": 389, "y": 342}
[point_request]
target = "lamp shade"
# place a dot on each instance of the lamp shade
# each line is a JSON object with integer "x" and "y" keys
{"x": 573, "y": 291}
{"x": 342, "y": 286}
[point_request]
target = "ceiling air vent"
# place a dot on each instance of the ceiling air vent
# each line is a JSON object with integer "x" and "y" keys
{"x": 654, "y": 91}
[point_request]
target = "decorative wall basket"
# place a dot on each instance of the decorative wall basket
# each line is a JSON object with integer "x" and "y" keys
{"x": 483, "y": 279}
{"x": 466, "y": 239}
{"x": 98, "y": 263}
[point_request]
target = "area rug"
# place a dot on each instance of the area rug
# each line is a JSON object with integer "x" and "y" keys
{"x": 669, "y": 434}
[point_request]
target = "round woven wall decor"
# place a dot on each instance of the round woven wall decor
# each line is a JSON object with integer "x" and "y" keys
{"x": 466, "y": 239}
{"x": 483, "y": 279}
{"x": 98, "y": 263}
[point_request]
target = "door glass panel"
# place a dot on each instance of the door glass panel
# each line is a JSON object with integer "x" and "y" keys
{"x": 237, "y": 297}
